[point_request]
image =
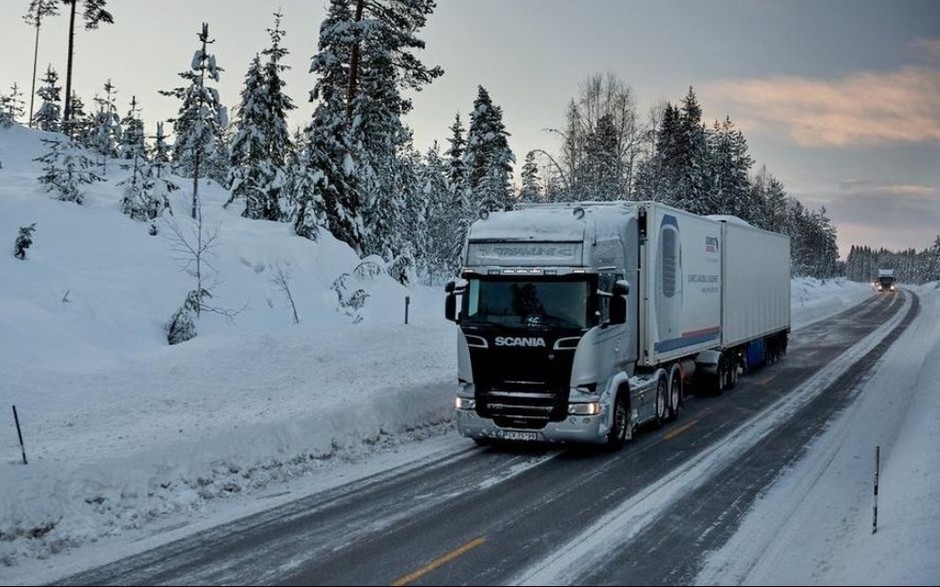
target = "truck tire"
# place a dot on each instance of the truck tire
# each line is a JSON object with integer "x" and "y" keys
{"x": 662, "y": 401}
{"x": 732, "y": 377}
{"x": 675, "y": 392}
{"x": 715, "y": 384}
{"x": 622, "y": 428}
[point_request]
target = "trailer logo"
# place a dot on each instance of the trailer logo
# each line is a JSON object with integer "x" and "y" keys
{"x": 711, "y": 244}
{"x": 534, "y": 341}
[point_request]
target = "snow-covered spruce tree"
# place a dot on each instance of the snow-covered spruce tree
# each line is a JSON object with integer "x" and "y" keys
{"x": 81, "y": 127}
{"x": 656, "y": 176}
{"x": 11, "y": 106}
{"x": 106, "y": 129}
{"x": 531, "y": 191}
{"x": 261, "y": 144}
{"x": 301, "y": 202}
{"x": 488, "y": 158}
{"x": 328, "y": 151}
{"x": 49, "y": 115}
{"x": 386, "y": 38}
{"x": 459, "y": 212}
{"x": 163, "y": 186}
{"x": 65, "y": 169}
{"x": 202, "y": 119}
{"x": 411, "y": 243}
{"x": 689, "y": 161}
{"x": 133, "y": 143}
{"x": 182, "y": 325}
{"x": 23, "y": 241}
{"x": 729, "y": 165}
{"x": 140, "y": 200}
{"x": 437, "y": 200}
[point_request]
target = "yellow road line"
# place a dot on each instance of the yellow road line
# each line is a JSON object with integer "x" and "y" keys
{"x": 766, "y": 381}
{"x": 679, "y": 430}
{"x": 439, "y": 561}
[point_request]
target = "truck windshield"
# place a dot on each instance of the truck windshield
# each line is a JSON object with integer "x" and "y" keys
{"x": 555, "y": 303}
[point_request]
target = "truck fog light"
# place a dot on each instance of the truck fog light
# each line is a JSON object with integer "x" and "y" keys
{"x": 464, "y": 403}
{"x": 588, "y": 409}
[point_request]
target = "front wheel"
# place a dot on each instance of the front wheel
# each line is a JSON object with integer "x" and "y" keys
{"x": 622, "y": 429}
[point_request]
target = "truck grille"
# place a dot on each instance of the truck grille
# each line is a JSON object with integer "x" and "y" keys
{"x": 522, "y": 388}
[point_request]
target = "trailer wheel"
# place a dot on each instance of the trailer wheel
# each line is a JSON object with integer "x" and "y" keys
{"x": 622, "y": 429}
{"x": 732, "y": 378}
{"x": 675, "y": 392}
{"x": 720, "y": 377}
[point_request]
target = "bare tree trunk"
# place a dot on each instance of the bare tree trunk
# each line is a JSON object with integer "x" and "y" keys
{"x": 32, "y": 94}
{"x": 195, "y": 183}
{"x": 354, "y": 66}
{"x": 67, "y": 115}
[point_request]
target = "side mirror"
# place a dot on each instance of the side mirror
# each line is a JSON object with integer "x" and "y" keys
{"x": 450, "y": 306}
{"x": 450, "y": 287}
{"x": 618, "y": 303}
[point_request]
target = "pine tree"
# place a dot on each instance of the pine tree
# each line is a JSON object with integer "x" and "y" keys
{"x": 66, "y": 169}
{"x": 163, "y": 186}
{"x": 11, "y": 106}
{"x": 48, "y": 117}
{"x": 437, "y": 198}
{"x": 93, "y": 14}
{"x": 138, "y": 200}
{"x": 458, "y": 213}
{"x": 38, "y": 11}
{"x": 531, "y": 192}
{"x": 456, "y": 169}
{"x": 133, "y": 143}
{"x": 106, "y": 129}
{"x": 688, "y": 164}
{"x": 262, "y": 142}
{"x": 386, "y": 34}
{"x": 729, "y": 189}
{"x": 23, "y": 241}
{"x": 657, "y": 177}
{"x": 932, "y": 270}
{"x": 329, "y": 151}
{"x": 82, "y": 124}
{"x": 202, "y": 119}
{"x": 301, "y": 202}
{"x": 488, "y": 158}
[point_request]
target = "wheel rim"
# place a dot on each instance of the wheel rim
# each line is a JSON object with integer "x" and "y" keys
{"x": 621, "y": 418}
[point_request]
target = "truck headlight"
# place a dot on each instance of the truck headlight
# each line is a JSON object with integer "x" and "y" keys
{"x": 465, "y": 403}
{"x": 588, "y": 409}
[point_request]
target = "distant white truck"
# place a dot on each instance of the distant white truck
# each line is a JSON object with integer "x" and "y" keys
{"x": 885, "y": 281}
{"x": 580, "y": 322}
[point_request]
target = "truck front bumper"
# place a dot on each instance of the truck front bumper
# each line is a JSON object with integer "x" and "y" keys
{"x": 580, "y": 429}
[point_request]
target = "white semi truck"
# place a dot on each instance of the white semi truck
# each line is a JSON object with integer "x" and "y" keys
{"x": 580, "y": 322}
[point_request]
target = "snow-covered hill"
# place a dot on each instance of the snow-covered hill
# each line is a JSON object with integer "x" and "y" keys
{"x": 120, "y": 427}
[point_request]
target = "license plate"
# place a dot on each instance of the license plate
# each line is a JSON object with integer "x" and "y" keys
{"x": 516, "y": 435}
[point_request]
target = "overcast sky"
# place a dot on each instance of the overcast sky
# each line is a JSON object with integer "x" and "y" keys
{"x": 839, "y": 99}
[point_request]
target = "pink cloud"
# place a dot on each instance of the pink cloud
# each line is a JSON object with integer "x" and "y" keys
{"x": 862, "y": 109}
